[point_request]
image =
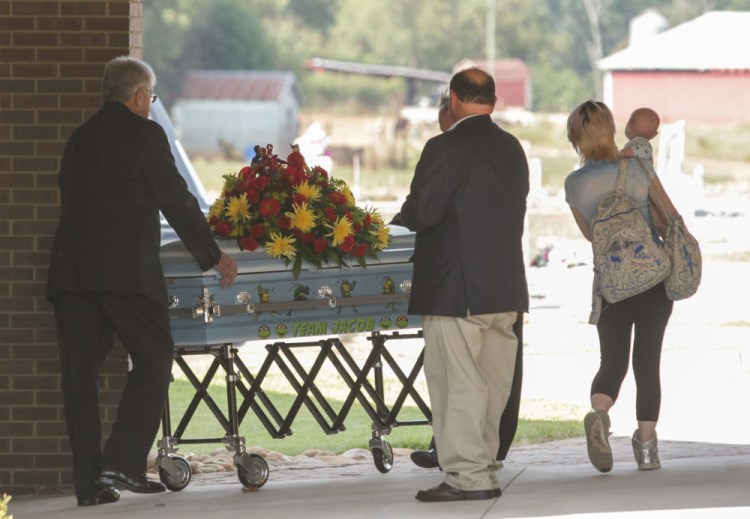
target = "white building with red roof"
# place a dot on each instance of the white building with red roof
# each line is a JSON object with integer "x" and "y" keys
{"x": 237, "y": 109}
{"x": 698, "y": 71}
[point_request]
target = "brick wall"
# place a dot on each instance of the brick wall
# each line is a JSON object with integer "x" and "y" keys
{"x": 52, "y": 56}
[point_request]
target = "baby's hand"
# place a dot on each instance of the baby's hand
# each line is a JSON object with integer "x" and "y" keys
{"x": 627, "y": 152}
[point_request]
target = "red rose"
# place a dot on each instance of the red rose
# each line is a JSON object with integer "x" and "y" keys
{"x": 360, "y": 250}
{"x": 260, "y": 182}
{"x": 252, "y": 196}
{"x": 257, "y": 231}
{"x": 349, "y": 215}
{"x": 299, "y": 199}
{"x": 368, "y": 221}
{"x": 248, "y": 244}
{"x": 284, "y": 221}
{"x": 320, "y": 244}
{"x": 306, "y": 237}
{"x": 357, "y": 227}
{"x": 337, "y": 198}
{"x": 348, "y": 244}
{"x": 269, "y": 207}
{"x": 223, "y": 228}
{"x": 246, "y": 171}
{"x": 330, "y": 213}
{"x": 320, "y": 171}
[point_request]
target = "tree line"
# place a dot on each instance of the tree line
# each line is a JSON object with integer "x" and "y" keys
{"x": 560, "y": 40}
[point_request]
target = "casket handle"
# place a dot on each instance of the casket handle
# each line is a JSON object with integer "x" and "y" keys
{"x": 373, "y": 300}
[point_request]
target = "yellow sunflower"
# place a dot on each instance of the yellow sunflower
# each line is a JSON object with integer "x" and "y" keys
{"x": 238, "y": 209}
{"x": 302, "y": 217}
{"x": 340, "y": 229}
{"x": 217, "y": 208}
{"x": 348, "y": 195}
{"x": 382, "y": 233}
{"x": 310, "y": 192}
{"x": 279, "y": 245}
{"x": 375, "y": 216}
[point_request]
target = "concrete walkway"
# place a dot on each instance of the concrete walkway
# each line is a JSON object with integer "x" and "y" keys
{"x": 697, "y": 480}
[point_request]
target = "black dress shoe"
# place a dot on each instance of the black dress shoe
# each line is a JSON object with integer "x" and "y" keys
{"x": 104, "y": 496}
{"x": 138, "y": 484}
{"x": 425, "y": 459}
{"x": 445, "y": 492}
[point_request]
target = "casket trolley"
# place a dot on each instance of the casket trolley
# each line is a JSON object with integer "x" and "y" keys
{"x": 266, "y": 302}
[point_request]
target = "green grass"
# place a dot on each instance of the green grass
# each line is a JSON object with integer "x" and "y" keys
{"x": 723, "y": 152}
{"x": 736, "y": 323}
{"x": 722, "y": 142}
{"x": 307, "y": 434}
{"x": 211, "y": 171}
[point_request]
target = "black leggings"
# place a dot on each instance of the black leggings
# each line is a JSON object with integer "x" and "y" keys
{"x": 649, "y": 313}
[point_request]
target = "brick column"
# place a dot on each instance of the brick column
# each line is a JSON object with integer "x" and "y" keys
{"x": 52, "y": 57}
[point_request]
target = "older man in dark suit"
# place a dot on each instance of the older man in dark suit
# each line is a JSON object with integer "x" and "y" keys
{"x": 467, "y": 204}
{"x": 105, "y": 277}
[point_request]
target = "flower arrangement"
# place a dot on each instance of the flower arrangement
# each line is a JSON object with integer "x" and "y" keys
{"x": 4, "y": 507}
{"x": 296, "y": 212}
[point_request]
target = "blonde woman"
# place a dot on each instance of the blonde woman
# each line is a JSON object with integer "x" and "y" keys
{"x": 641, "y": 319}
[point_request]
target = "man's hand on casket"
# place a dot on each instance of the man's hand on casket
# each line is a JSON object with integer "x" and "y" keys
{"x": 227, "y": 267}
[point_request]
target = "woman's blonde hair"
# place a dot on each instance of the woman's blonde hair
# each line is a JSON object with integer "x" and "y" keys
{"x": 591, "y": 131}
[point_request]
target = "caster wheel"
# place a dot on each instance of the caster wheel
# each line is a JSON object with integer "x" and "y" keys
{"x": 252, "y": 470}
{"x": 174, "y": 472}
{"x": 383, "y": 457}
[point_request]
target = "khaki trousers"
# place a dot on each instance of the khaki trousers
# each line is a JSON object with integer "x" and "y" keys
{"x": 469, "y": 364}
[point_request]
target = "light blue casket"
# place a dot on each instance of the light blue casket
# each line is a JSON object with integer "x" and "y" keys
{"x": 267, "y": 302}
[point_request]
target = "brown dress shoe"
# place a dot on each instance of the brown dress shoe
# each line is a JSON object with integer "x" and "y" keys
{"x": 445, "y": 492}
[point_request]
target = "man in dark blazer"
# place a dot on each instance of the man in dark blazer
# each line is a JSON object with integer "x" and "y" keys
{"x": 509, "y": 420}
{"x": 105, "y": 277}
{"x": 467, "y": 204}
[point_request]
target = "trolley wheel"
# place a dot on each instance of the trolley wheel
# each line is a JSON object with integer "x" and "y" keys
{"x": 252, "y": 470}
{"x": 383, "y": 457}
{"x": 175, "y": 473}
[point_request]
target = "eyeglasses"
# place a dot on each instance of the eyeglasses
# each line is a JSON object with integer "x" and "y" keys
{"x": 151, "y": 94}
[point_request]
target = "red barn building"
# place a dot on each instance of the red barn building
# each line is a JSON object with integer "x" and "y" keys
{"x": 698, "y": 71}
{"x": 512, "y": 81}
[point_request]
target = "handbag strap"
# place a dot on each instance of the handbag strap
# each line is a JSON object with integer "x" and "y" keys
{"x": 658, "y": 202}
{"x": 622, "y": 177}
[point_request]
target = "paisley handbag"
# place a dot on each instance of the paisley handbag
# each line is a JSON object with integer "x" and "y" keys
{"x": 684, "y": 254}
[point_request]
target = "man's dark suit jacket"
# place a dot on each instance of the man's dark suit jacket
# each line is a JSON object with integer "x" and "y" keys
{"x": 467, "y": 204}
{"x": 117, "y": 173}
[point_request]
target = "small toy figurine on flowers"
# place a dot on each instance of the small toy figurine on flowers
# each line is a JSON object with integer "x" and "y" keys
{"x": 296, "y": 213}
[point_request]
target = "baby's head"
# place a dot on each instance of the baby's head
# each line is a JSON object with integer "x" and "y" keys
{"x": 643, "y": 122}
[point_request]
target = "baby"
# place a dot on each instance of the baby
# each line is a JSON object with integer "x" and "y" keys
{"x": 642, "y": 126}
